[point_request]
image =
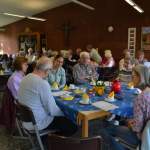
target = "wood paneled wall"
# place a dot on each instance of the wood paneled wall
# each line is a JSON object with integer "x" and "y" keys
{"x": 89, "y": 26}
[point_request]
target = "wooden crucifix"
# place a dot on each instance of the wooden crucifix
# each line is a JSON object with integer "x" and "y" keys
{"x": 67, "y": 28}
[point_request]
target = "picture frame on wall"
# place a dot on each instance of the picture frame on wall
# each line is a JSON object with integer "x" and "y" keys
{"x": 34, "y": 40}
{"x": 145, "y": 38}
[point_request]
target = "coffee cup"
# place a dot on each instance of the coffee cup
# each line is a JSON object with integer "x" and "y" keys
{"x": 72, "y": 86}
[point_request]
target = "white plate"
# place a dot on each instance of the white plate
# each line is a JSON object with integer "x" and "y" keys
{"x": 84, "y": 103}
{"x": 137, "y": 91}
{"x": 110, "y": 100}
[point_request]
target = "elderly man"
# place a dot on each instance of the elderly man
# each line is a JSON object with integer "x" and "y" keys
{"x": 140, "y": 58}
{"x": 35, "y": 93}
{"x": 83, "y": 72}
{"x": 126, "y": 63}
{"x": 125, "y": 66}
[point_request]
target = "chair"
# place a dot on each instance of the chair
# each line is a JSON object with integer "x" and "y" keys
{"x": 107, "y": 73}
{"x": 145, "y": 142}
{"x": 125, "y": 76}
{"x": 25, "y": 114}
{"x": 127, "y": 145}
{"x": 7, "y": 111}
{"x": 3, "y": 82}
{"x": 65, "y": 143}
{"x": 145, "y": 145}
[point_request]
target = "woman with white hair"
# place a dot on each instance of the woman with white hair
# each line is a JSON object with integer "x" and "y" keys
{"x": 108, "y": 60}
{"x": 131, "y": 133}
{"x": 30, "y": 56}
{"x": 83, "y": 72}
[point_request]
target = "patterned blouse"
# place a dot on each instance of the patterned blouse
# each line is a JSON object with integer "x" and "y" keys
{"x": 141, "y": 111}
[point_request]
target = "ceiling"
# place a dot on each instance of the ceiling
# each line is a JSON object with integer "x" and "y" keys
{"x": 26, "y": 8}
{"x": 33, "y": 7}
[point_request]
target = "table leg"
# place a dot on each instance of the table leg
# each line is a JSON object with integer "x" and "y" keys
{"x": 85, "y": 127}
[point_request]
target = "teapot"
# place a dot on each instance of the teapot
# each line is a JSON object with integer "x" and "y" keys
{"x": 116, "y": 86}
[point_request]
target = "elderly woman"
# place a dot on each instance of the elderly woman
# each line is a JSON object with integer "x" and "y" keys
{"x": 94, "y": 54}
{"x": 83, "y": 72}
{"x": 57, "y": 73}
{"x": 30, "y": 56}
{"x": 20, "y": 66}
{"x": 108, "y": 60}
{"x": 131, "y": 134}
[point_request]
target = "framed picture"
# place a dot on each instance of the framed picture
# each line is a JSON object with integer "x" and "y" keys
{"x": 34, "y": 40}
{"x": 145, "y": 38}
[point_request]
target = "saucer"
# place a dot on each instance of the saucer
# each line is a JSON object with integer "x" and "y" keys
{"x": 137, "y": 91}
{"x": 67, "y": 97}
{"x": 78, "y": 91}
{"x": 55, "y": 90}
{"x": 110, "y": 99}
{"x": 84, "y": 103}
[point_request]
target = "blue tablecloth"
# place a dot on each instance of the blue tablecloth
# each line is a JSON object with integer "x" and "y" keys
{"x": 71, "y": 108}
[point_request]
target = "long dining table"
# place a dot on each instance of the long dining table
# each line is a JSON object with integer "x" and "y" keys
{"x": 82, "y": 114}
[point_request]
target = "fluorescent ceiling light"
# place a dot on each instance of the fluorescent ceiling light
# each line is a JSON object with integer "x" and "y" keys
{"x": 130, "y": 2}
{"x": 2, "y": 29}
{"x": 83, "y": 4}
{"x": 138, "y": 9}
{"x": 35, "y": 18}
{"x": 134, "y": 5}
{"x": 14, "y": 15}
{"x": 21, "y": 16}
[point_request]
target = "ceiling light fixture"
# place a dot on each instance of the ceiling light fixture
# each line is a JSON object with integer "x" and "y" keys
{"x": 138, "y": 9}
{"x": 130, "y": 2}
{"x": 35, "y": 18}
{"x": 14, "y": 15}
{"x": 134, "y": 5}
{"x": 21, "y": 16}
{"x": 83, "y": 4}
{"x": 2, "y": 29}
